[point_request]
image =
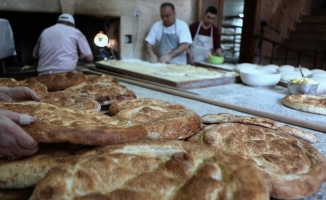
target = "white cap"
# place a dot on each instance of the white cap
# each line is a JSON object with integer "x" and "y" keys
{"x": 65, "y": 17}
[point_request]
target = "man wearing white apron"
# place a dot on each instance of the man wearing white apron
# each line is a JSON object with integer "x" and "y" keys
{"x": 206, "y": 38}
{"x": 172, "y": 36}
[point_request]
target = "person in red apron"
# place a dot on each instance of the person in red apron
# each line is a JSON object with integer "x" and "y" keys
{"x": 172, "y": 36}
{"x": 206, "y": 38}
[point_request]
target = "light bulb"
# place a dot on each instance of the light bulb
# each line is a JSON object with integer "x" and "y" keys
{"x": 101, "y": 40}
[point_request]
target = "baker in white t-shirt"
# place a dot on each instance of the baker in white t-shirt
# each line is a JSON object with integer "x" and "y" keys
{"x": 60, "y": 46}
{"x": 172, "y": 36}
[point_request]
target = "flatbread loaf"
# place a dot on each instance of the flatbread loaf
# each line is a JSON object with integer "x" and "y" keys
{"x": 259, "y": 121}
{"x": 58, "y": 81}
{"x": 93, "y": 78}
{"x": 117, "y": 107}
{"x": 307, "y": 103}
{"x": 27, "y": 172}
{"x": 104, "y": 89}
{"x": 229, "y": 118}
{"x": 162, "y": 123}
{"x": 160, "y": 170}
{"x": 55, "y": 125}
{"x": 70, "y": 100}
{"x": 291, "y": 167}
{"x": 10, "y": 82}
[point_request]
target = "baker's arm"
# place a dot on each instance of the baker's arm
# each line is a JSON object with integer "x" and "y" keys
{"x": 190, "y": 56}
{"x": 151, "y": 54}
{"x": 219, "y": 52}
{"x": 181, "y": 48}
{"x": 88, "y": 58}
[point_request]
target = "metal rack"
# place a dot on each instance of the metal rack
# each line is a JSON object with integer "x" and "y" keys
{"x": 231, "y": 39}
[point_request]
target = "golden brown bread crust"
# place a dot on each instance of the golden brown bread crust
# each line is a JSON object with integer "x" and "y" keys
{"x": 69, "y": 100}
{"x": 162, "y": 123}
{"x": 104, "y": 89}
{"x": 154, "y": 170}
{"x": 27, "y": 172}
{"x": 10, "y": 82}
{"x": 55, "y": 125}
{"x": 92, "y": 78}
{"x": 305, "y": 102}
{"x": 58, "y": 81}
{"x": 230, "y": 118}
{"x": 117, "y": 107}
{"x": 291, "y": 167}
{"x": 259, "y": 121}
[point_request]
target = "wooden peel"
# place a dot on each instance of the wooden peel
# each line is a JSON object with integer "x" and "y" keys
{"x": 273, "y": 116}
{"x": 117, "y": 75}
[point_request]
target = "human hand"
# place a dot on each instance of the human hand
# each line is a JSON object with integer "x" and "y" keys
{"x": 153, "y": 58}
{"x": 190, "y": 58}
{"x": 18, "y": 93}
{"x": 219, "y": 52}
{"x": 165, "y": 58}
{"x": 14, "y": 141}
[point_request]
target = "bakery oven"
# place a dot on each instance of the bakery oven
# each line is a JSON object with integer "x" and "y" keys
{"x": 27, "y": 26}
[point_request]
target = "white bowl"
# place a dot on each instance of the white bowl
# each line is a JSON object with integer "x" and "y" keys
{"x": 317, "y": 71}
{"x": 322, "y": 75}
{"x": 272, "y": 66}
{"x": 259, "y": 77}
{"x": 305, "y": 71}
{"x": 265, "y": 69}
{"x": 287, "y": 67}
{"x": 242, "y": 66}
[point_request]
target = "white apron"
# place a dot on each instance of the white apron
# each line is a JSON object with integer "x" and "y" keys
{"x": 201, "y": 46}
{"x": 168, "y": 43}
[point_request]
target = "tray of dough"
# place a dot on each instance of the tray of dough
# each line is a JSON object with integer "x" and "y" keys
{"x": 180, "y": 76}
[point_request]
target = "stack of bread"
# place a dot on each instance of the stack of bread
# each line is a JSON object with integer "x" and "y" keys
{"x": 147, "y": 148}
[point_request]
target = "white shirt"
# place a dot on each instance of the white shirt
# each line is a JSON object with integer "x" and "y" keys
{"x": 183, "y": 32}
{"x": 58, "y": 47}
{"x": 7, "y": 42}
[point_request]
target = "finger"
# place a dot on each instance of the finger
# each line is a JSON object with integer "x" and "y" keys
{"x": 6, "y": 98}
{"x": 14, "y": 152}
{"x": 19, "y": 118}
{"x": 33, "y": 119}
{"x": 24, "y": 140}
{"x": 26, "y": 119}
{"x": 18, "y": 152}
{"x": 27, "y": 152}
{"x": 14, "y": 116}
{"x": 6, "y": 153}
{"x": 31, "y": 94}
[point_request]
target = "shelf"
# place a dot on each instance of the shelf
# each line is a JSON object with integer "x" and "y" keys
{"x": 230, "y": 26}
{"x": 231, "y": 39}
{"x": 231, "y": 34}
{"x": 229, "y": 42}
